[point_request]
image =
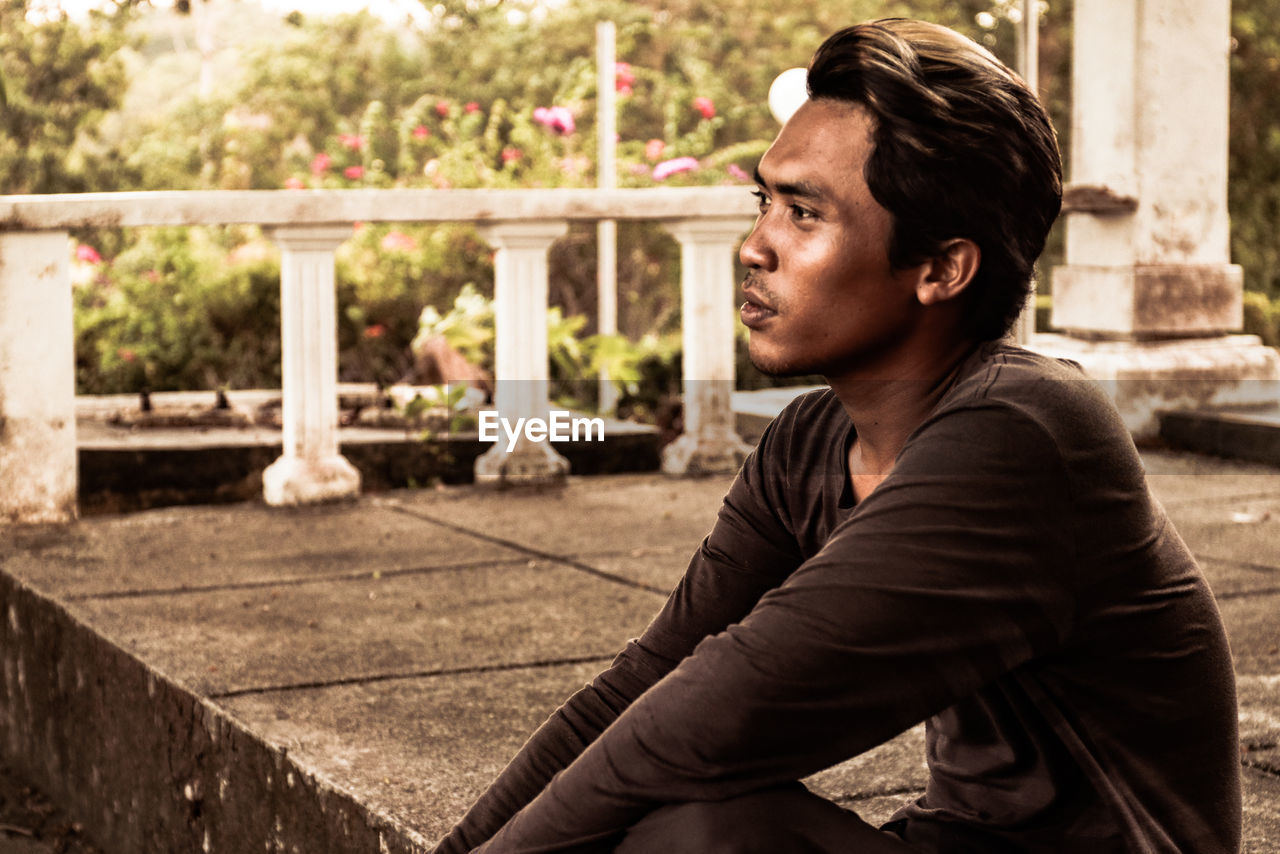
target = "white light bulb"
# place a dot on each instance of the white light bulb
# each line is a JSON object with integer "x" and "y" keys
{"x": 788, "y": 92}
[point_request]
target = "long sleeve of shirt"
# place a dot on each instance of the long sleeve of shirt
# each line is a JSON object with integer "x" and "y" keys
{"x": 948, "y": 576}
{"x": 748, "y": 552}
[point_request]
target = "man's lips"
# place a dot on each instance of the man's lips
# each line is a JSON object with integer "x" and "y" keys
{"x": 754, "y": 313}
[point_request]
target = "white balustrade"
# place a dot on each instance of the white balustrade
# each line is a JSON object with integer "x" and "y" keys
{"x": 37, "y": 382}
{"x": 520, "y": 355}
{"x": 709, "y": 443}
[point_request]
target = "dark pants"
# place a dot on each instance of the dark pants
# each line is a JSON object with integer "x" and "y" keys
{"x": 781, "y": 820}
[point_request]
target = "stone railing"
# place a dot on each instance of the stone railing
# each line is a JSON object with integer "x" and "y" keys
{"x": 37, "y": 362}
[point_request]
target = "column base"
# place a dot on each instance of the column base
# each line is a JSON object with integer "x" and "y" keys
{"x": 1145, "y": 377}
{"x": 532, "y": 464}
{"x": 290, "y": 481}
{"x": 693, "y": 456}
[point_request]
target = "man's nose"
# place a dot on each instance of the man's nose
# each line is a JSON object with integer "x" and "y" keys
{"x": 756, "y": 252}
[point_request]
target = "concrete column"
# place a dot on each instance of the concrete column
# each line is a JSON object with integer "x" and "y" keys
{"x": 520, "y": 354}
{"x": 709, "y": 443}
{"x": 311, "y": 469}
{"x": 1148, "y": 294}
{"x": 37, "y": 379}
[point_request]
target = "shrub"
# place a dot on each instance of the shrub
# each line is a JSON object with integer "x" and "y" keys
{"x": 1262, "y": 317}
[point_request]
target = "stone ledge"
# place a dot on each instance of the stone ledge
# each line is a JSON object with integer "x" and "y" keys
{"x": 1146, "y": 377}
{"x": 148, "y": 765}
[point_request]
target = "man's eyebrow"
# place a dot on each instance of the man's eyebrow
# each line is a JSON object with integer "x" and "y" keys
{"x": 799, "y": 189}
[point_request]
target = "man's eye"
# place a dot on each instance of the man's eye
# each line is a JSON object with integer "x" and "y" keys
{"x": 802, "y": 213}
{"x": 762, "y": 201}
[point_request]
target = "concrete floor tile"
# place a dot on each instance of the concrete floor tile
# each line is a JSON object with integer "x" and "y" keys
{"x": 233, "y": 640}
{"x": 877, "y": 810}
{"x": 419, "y": 750}
{"x": 1253, "y": 628}
{"x": 894, "y": 765}
{"x": 1230, "y": 579}
{"x": 1259, "y": 710}
{"x": 195, "y": 547}
{"x": 1261, "y": 812}
{"x": 657, "y": 567}
{"x": 615, "y": 512}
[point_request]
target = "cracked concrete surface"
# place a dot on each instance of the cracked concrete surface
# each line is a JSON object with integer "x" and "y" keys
{"x": 353, "y": 675}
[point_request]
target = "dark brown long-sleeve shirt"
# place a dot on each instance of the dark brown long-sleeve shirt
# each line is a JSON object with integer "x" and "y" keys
{"x": 1011, "y": 582}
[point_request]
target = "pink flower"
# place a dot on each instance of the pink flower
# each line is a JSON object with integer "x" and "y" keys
{"x": 355, "y": 173}
{"x": 705, "y": 106}
{"x": 320, "y": 164}
{"x": 442, "y": 109}
{"x": 398, "y": 241}
{"x": 87, "y": 254}
{"x": 738, "y": 172}
{"x": 355, "y": 142}
{"x": 667, "y": 168}
{"x": 294, "y": 183}
{"x": 653, "y": 149}
{"x": 623, "y": 78}
{"x": 511, "y": 155}
{"x": 127, "y": 355}
{"x": 472, "y": 107}
{"x": 557, "y": 119}
{"x": 421, "y": 132}
{"x": 377, "y": 330}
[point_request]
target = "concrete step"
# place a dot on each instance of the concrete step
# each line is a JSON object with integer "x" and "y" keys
{"x": 1243, "y": 434}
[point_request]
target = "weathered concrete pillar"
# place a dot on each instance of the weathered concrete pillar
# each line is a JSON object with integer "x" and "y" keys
{"x": 1148, "y": 294}
{"x": 37, "y": 379}
{"x": 709, "y": 443}
{"x": 311, "y": 469}
{"x": 520, "y": 352}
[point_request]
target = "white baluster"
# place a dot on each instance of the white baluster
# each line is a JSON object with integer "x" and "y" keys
{"x": 311, "y": 469}
{"x": 709, "y": 443}
{"x": 520, "y": 358}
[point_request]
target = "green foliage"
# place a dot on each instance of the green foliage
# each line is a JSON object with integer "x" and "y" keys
{"x": 58, "y": 79}
{"x": 1262, "y": 317}
{"x": 385, "y": 277}
{"x": 177, "y": 311}
{"x": 1254, "y": 188}
{"x": 353, "y": 102}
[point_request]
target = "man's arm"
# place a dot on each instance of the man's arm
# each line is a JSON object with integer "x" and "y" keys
{"x": 952, "y": 573}
{"x": 749, "y": 551}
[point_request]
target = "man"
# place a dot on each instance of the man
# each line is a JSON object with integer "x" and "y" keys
{"x": 957, "y": 531}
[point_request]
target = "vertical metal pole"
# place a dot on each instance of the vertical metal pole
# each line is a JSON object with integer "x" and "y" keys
{"x": 1029, "y": 67}
{"x": 607, "y": 179}
{"x": 1029, "y": 44}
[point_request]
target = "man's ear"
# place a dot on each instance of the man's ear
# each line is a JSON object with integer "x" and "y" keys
{"x": 948, "y": 273}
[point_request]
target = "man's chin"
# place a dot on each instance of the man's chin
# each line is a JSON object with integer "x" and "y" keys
{"x": 777, "y": 368}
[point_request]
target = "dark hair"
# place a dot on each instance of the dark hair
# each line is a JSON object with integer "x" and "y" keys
{"x": 961, "y": 148}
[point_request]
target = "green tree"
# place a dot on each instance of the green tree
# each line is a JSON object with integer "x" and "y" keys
{"x": 1254, "y": 185}
{"x": 58, "y": 80}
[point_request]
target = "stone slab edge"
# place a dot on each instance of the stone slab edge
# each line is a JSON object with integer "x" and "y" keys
{"x": 148, "y": 766}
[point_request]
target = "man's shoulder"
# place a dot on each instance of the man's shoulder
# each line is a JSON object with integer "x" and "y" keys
{"x": 1055, "y": 393}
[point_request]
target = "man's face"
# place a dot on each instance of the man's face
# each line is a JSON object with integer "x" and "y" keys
{"x": 821, "y": 296}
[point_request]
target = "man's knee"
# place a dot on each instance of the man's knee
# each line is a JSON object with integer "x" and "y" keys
{"x": 707, "y": 827}
{"x": 788, "y": 819}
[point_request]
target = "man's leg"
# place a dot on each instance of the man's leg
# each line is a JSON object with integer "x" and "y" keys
{"x": 781, "y": 820}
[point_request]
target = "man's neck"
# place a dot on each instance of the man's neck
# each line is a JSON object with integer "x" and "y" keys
{"x": 888, "y": 401}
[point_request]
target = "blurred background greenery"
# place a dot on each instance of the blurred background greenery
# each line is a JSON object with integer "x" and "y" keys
{"x": 227, "y": 94}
